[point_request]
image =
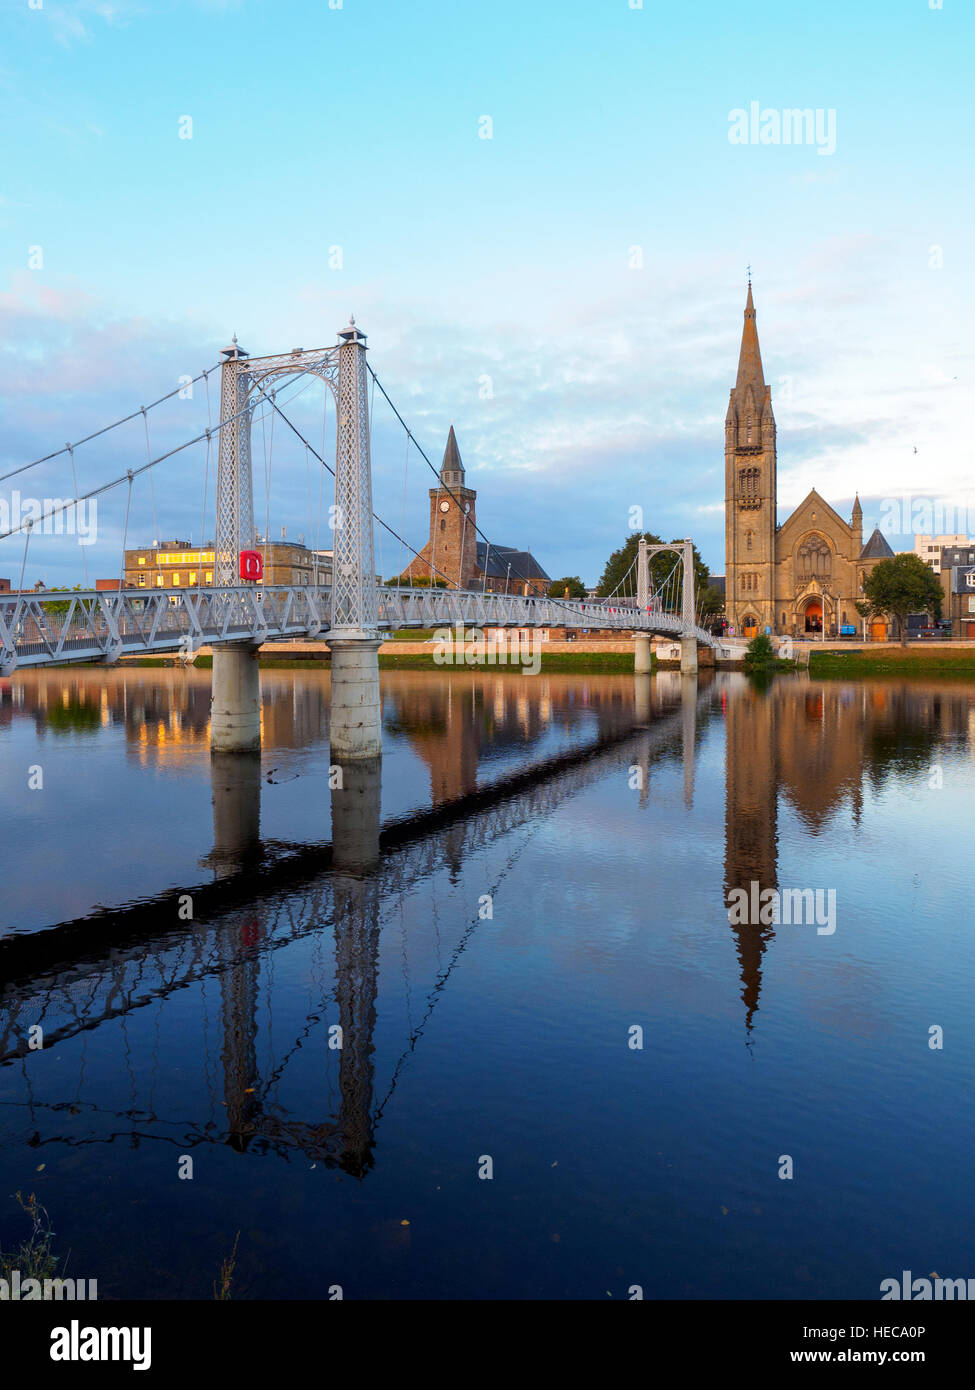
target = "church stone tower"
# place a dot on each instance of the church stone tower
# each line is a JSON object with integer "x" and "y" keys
{"x": 750, "y": 491}
{"x": 451, "y": 552}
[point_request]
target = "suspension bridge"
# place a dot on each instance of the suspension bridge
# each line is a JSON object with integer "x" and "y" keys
{"x": 239, "y": 613}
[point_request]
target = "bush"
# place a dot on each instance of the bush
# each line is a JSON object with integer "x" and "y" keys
{"x": 760, "y": 651}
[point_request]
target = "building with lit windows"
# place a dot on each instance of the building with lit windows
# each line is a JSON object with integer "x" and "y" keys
{"x": 178, "y": 565}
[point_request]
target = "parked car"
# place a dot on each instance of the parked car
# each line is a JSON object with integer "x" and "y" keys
{"x": 929, "y": 634}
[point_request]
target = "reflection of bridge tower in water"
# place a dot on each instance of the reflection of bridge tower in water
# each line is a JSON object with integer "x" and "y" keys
{"x": 751, "y": 823}
{"x": 347, "y": 1140}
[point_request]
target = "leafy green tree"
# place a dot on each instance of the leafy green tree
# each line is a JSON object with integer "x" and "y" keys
{"x": 760, "y": 651}
{"x": 571, "y": 587}
{"x": 661, "y": 565}
{"x": 901, "y": 585}
{"x": 59, "y": 605}
{"x": 710, "y": 602}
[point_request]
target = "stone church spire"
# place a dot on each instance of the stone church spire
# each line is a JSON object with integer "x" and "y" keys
{"x": 750, "y": 358}
{"x": 750, "y": 490}
{"x": 452, "y": 470}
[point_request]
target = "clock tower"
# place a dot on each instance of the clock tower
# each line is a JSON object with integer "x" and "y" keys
{"x": 451, "y": 552}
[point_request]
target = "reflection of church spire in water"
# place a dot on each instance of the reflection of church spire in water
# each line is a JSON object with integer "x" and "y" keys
{"x": 751, "y": 824}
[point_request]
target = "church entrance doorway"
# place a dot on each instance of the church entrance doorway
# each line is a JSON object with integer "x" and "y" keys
{"x": 814, "y": 616}
{"x": 749, "y": 625}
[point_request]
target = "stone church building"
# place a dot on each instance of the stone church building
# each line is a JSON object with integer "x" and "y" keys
{"x": 456, "y": 556}
{"x": 802, "y": 577}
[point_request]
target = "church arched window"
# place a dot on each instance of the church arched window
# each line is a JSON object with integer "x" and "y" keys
{"x": 749, "y": 488}
{"x": 814, "y": 559}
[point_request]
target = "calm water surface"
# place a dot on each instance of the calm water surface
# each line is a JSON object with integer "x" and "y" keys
{"x": 541, "y": 866}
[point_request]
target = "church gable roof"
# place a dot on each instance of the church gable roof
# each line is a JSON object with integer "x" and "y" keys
{"x": 801, "y": 518}
{"x": 876, "y": 547}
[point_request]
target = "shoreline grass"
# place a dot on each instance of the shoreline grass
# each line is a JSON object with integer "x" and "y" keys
{"x": 893, "y": 663}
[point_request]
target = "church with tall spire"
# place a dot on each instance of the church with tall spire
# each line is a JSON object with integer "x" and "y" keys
{"x": 454, "y": 556}
{"x": 802, "y": 577}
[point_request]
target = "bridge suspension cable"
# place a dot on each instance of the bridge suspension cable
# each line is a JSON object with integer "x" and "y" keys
{"x": 68, "y": 448}
{"x": 445, "y": 487}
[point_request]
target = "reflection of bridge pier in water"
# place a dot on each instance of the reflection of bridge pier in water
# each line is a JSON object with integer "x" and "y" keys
{"x": 235, "y": 780}
{"x": 356, "y": 803}
{"x": 355, "y": 854}
{"x": 688, "y": 724}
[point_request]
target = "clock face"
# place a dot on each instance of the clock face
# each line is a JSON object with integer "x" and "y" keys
{"x": 445, "y": 506}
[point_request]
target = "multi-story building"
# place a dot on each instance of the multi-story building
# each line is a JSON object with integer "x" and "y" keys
{"x": 178, "y": 564}
{"x": 929, "y": 548}
{"x": 958, "y": 586}
{"x": 960, "y": 554}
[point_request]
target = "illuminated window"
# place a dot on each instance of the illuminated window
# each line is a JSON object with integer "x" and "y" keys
{"x": 142, "y": 559}
{"x": 209, "y": 576}
{"x": 159, "y": 581}
{"x": 142, "y": 581}
{"x": 175, "y": 578}
{"x": 192, "y": 576}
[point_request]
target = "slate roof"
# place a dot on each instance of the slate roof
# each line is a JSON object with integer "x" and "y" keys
{"x": 451, "y": 456}
{"x": 523, "y": 563}
{"x": 876, "y": 547}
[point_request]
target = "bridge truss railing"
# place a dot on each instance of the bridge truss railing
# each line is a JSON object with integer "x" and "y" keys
{"x": 41, "y": 629}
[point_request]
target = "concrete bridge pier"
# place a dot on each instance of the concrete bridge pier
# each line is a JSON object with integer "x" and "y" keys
{"x": 641, "y": 654}
{"x": 235, "y": 699}
{"x": 355, "y": 726}
{"x": 688, "y": 656}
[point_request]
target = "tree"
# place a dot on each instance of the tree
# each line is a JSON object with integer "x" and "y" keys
{"x": 571, "y": 587}
{"x": 899, "y": 586}
{"x": 760, "y": 651}
{"x": 661, "y": 565}
{"x": 60, "y": 605}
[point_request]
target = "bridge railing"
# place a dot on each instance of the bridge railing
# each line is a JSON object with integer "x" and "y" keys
{"x": 43, "y": 628}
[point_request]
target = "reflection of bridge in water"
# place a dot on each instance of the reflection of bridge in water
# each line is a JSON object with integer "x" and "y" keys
{"x": 82, "y": 975}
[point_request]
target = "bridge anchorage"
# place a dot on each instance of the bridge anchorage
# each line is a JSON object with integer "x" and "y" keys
{"x": 239, "y": 612}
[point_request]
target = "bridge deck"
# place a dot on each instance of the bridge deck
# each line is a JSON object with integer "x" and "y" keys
{"x": 43, "y": 629}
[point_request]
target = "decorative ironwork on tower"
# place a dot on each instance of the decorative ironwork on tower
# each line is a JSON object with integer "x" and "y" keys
{"x": 235, "y": 489}
{"x": 355, "y": 598}
{"x": 244, "y": 379}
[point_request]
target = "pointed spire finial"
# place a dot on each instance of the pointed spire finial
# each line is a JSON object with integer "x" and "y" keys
{"x": 750, "y": 357}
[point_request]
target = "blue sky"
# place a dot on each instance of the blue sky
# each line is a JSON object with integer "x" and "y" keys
{"x": 508, "y": 258}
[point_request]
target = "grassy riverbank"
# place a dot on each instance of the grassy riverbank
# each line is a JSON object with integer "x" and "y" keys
{"x": 606, "y": 663}
{"x": 891, "y": 661}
